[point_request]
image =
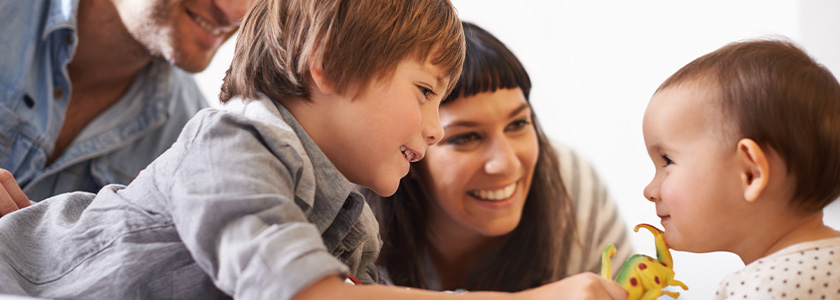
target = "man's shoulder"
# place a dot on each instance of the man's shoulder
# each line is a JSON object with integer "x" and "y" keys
{"x": 186, "y": 97}
{"x": 23, "y": 23}
{"x": 24, "y": 11}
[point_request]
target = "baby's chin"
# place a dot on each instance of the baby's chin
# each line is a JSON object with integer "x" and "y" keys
{"x": 674, "y": 243}
{"x": 680, "y": 244}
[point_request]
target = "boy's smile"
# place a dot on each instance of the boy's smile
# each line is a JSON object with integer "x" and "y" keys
{"x": 373, "y": 137}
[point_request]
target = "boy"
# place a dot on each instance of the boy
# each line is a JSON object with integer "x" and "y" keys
{"x": 746, "y": 143}
{"x": 255, "y": 200}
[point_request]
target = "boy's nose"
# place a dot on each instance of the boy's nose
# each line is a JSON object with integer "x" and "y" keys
{"x": 432, "y": 130}
{"x": 233, "y": 10}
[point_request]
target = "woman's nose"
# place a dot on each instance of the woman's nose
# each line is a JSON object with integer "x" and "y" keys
{"x": 502, "y": 158}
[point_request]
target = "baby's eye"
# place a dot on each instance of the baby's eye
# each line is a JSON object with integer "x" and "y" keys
{"x": 668, "y": 160}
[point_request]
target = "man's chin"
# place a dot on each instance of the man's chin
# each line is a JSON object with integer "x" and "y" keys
{"x": 191, "y": 64}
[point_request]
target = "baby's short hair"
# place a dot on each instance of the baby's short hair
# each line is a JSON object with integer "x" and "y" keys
{"x": 356, "y": 41}
{"x": 778, "y": 96}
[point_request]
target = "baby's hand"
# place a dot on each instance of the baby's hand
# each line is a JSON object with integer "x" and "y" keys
{"x": 584, "y": 286}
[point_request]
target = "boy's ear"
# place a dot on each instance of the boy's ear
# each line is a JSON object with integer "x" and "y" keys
{"x": 319, "y": 80}
{"x": 755, "y": 169}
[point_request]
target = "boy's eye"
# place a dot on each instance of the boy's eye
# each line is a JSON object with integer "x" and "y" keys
{"x": 463, "y": 139}
{"x": 517, "y": 125}
{"x": 425, "y": 91}
{"x": 668, "y": 160}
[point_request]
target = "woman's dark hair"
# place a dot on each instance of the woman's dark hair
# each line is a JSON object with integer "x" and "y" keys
{"x": 532, "y": 253}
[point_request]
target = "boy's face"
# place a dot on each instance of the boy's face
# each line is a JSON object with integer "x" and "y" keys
{"x": 696, "y": 187}
{"x": 186, "y": 33}
{"x": 377, "y": 134}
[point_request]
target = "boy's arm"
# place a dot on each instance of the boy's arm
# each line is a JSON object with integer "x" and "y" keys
{"x": 579, "y": 287}
{"x": 234, "y": 206}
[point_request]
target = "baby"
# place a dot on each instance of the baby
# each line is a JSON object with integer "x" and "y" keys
{"x": 746, "y": 144}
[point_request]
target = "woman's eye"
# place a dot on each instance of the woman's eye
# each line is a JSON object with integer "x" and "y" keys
{"x": 518, "y": 124}
{"x": 463, "y": 139}
{"x": 668, "y": 160}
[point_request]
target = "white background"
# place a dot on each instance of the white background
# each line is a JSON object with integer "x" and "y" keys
{"x": 595, "y": 64}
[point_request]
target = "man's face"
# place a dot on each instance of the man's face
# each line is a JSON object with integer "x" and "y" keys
{"x": 186, "y": 33}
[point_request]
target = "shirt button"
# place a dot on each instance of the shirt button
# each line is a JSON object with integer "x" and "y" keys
{"x": 58, "y": 94}
{"x": 69, "y": 39}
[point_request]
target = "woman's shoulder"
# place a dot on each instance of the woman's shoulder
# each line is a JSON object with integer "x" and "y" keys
{"x": 579, "y": 176}
{"x": 597, "y": 218}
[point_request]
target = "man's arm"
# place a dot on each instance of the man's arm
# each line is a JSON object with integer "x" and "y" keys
{"x": 11, "y": 196}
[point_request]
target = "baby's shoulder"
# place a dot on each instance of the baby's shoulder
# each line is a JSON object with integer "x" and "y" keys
{"x": 807, "y": 270}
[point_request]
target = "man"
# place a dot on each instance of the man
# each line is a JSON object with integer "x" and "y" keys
{"x": 88, "y": 91}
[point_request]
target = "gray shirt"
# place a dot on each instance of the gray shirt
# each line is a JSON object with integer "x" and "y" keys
{"x": 244, "y": 204}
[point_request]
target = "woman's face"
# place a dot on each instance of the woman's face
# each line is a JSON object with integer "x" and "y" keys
{"x": 481, "y": 171}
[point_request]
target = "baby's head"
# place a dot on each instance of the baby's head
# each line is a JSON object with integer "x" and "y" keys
{"x": 749, "y": 124}
{"x": 355, "y": 42}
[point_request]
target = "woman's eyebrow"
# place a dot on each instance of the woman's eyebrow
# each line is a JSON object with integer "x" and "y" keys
{"x": 518, "y": 110}
{"x": 462, "y": 124}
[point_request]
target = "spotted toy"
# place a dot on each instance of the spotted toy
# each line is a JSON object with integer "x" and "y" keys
{"x": 642, "y": 276}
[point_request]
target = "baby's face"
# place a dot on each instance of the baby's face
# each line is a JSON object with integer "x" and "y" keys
{"x": 696, "y": 187}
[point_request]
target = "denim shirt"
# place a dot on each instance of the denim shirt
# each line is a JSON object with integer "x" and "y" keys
{"x": 244, "y": 204}
{"x": 39, "y": 39}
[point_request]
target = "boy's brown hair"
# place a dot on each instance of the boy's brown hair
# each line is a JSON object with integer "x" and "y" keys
{"x": 781, "y": 98}
{"x": 356, "y": 41}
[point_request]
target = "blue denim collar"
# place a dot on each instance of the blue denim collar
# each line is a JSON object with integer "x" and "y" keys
{"x": 62, "y": 14}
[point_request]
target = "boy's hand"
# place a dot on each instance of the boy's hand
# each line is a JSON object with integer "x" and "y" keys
{"x": 11, "y": 196}
{"x": 583, "y": 286}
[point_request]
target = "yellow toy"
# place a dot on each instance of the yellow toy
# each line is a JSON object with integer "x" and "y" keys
{"x": 642, "y": 276}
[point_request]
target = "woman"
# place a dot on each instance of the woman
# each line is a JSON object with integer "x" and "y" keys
{"x": 491, "y": 207}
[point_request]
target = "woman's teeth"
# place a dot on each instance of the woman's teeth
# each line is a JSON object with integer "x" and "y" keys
{"x": 494, "y": 195}
{"x": 411, "y": 156}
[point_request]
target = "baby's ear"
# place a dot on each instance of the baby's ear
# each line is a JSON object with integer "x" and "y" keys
{"x": 755, "y": 169}
{"x": 319, "y": 80}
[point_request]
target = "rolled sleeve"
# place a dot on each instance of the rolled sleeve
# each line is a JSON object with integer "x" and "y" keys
{"x": 234, "y": 206}
{"x": 290, "y": 261}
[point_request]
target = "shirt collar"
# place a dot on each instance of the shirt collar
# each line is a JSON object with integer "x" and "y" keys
{"x": 325, "y": 172}
{"x": 62, "y": 14}
{"x": 329, "y": 182}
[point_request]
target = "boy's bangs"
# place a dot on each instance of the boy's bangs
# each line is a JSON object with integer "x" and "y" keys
{"x": 447, "y": 44}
